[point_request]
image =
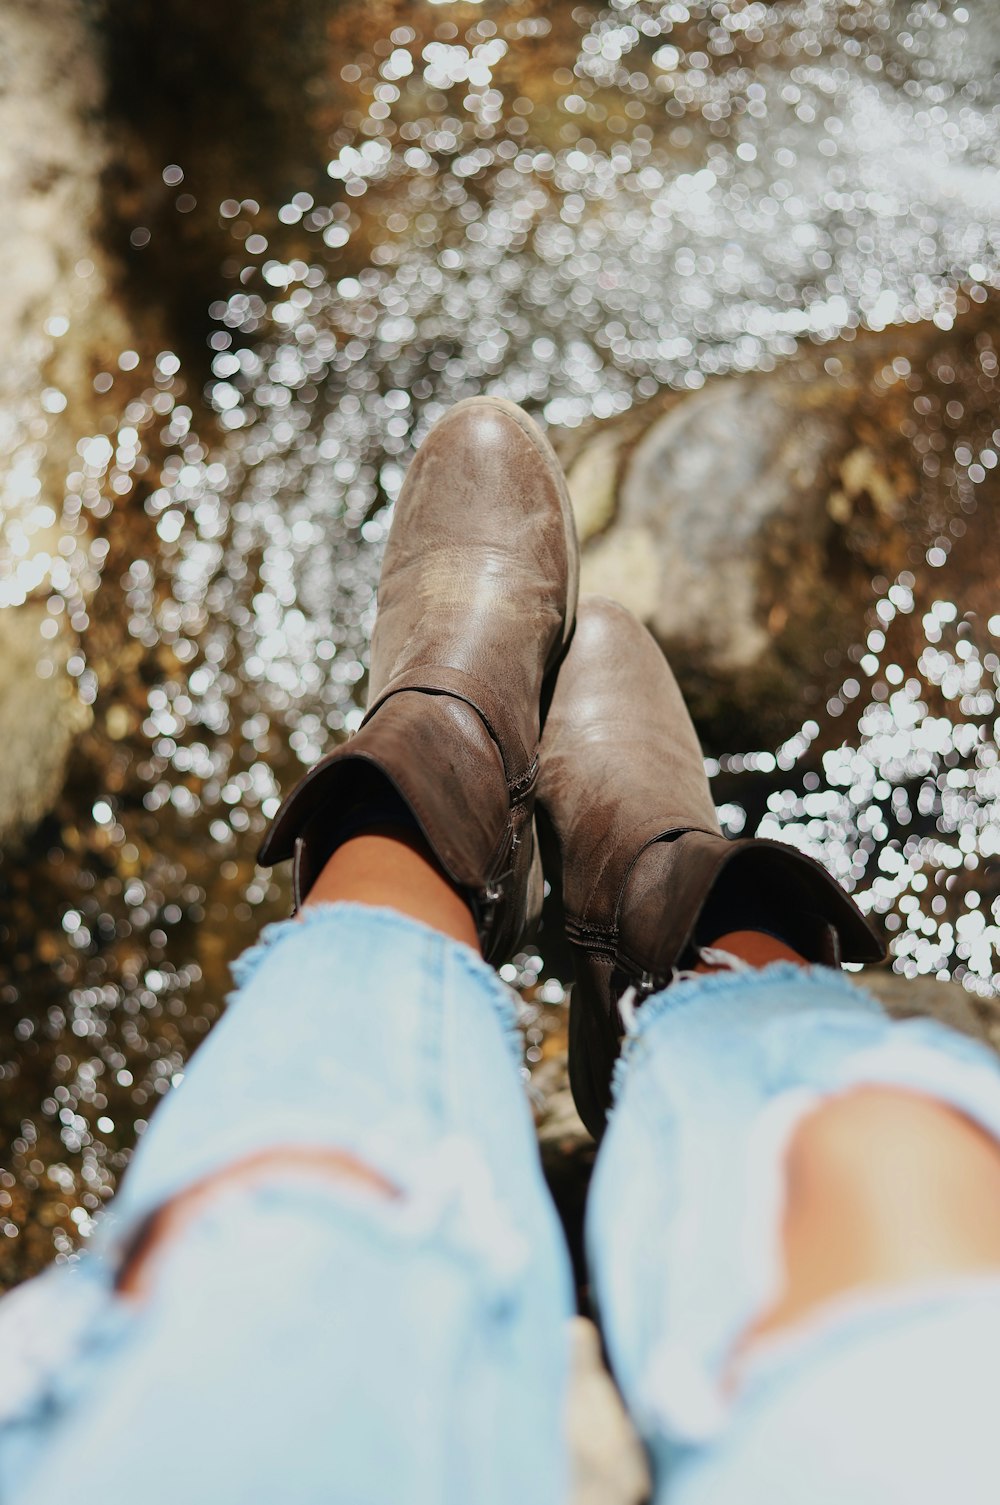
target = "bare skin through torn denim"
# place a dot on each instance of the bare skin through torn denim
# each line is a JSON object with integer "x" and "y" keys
{"x": 314, "y": 1341}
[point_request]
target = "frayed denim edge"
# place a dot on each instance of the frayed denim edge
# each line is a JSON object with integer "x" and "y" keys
{"x": 328, "y": 917}
{"x": 858, "y": 1315}
{"x": 783, "y": 975}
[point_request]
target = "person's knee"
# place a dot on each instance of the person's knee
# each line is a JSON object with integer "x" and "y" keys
{"x": 884, "y": 1144}
{"x": 886, "y": 1187}
{"x": 281, "y": 1164}
{"x": 883, "y": 1188}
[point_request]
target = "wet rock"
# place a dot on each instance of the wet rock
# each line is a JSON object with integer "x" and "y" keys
{"x": 744, "y": 522}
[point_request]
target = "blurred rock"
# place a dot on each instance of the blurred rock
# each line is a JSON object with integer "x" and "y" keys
{"x": 914, "y": 997}
{"x": 54, "y": 152}
{"x": 57, "y": 322}
{"x": 608, "y": 1463}
{"x": 39, "y": 718}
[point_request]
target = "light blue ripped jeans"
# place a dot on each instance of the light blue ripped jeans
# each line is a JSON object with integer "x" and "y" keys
{"x": 307, "y": 1340}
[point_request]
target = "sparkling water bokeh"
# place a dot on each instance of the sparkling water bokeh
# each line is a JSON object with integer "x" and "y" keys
{"x": 572, "y": 208}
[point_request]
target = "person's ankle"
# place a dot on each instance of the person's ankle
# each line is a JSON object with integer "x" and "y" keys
{"x": 395, "y": 868}
{"x": 755, "y": 948}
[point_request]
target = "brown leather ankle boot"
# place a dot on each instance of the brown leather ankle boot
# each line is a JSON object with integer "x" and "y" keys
{"x": 647, "y": 874}
{"x": 476, "y": 603}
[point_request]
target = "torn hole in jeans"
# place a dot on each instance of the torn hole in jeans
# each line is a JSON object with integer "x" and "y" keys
{"x": 165, "y": 1224}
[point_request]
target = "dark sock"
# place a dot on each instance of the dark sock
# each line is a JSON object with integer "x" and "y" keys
{"x": 733, "y": 904}
{"x": 368, "y": 803}
{"x": 388, "y": 809}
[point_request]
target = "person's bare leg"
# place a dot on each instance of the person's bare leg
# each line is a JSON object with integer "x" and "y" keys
{"x": 393, "y": 867}
{"x": 388, "y": 867}
{"x": 282, "y": 1163}
{"x": 754, "y": 947}
{"x": 882, "y": 1187}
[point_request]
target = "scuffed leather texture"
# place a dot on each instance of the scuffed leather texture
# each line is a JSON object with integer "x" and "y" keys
{"x": 476, "y": 602}
{"x": 623, "y": 784}
{"x": 480, "y": 571}
{"x": 621, "y": 762}
{"x": 771, "y": 887}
